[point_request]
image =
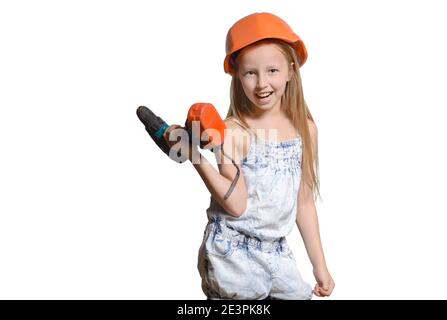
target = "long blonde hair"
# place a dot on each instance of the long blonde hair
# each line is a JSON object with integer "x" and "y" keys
{"x": 294, "y": 105}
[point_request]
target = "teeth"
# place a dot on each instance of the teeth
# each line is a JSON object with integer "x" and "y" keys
{"x": 264, "y": 94}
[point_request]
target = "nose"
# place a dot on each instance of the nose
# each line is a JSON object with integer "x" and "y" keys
{"x": 261, "y": 81}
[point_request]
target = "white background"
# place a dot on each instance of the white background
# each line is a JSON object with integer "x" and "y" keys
{"x": 90, "y": 208}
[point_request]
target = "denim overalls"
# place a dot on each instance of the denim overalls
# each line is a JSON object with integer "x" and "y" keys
{"x": 248, "y": 257}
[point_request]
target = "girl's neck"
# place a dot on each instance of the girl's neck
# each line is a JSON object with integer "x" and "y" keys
{"x": 267, "y": 119}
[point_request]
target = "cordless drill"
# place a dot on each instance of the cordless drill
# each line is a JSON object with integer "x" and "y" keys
{"x": 203, "y": 125}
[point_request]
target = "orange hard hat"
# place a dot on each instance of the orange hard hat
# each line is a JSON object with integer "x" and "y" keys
{"x": 258, "y": 26}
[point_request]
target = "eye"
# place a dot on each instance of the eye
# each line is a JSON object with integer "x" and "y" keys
{"x": 249, "y": 73}
{"x": 274, "y": 70}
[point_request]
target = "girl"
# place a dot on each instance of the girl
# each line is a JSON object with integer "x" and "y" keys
{"x": 244, "y": 254}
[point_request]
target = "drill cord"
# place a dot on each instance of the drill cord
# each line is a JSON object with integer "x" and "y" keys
{"x": 236, "y": 178}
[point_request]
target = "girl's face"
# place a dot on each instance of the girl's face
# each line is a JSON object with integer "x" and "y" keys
{"x": 264, "y": 73}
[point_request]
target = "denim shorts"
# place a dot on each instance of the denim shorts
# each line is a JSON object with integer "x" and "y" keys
{"x": 233, "y": 265}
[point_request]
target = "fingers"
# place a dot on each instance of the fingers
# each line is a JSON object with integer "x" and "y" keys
{"x": 168, "y": 131}
{"x": 316, "y": 291}
{"x": 324, "y": 290}
{"x": 325, "y": 293}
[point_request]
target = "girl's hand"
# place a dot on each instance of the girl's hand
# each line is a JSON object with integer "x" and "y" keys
{"x": 181, "y": 138}
{"x": 168, "y": 131}
{"x": 325, "y": 283}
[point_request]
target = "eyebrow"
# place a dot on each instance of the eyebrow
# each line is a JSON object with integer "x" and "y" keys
{"x": 268, "y": 67}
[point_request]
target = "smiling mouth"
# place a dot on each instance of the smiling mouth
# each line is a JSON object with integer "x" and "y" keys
{"x": 264, "y": 96}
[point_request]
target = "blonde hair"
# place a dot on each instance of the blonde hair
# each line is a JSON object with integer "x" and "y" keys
{"x": 294, "y": 105}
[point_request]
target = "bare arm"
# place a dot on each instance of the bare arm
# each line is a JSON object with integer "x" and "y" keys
{"x": 218, "y": 182}
{"x": 307, "y": 222}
